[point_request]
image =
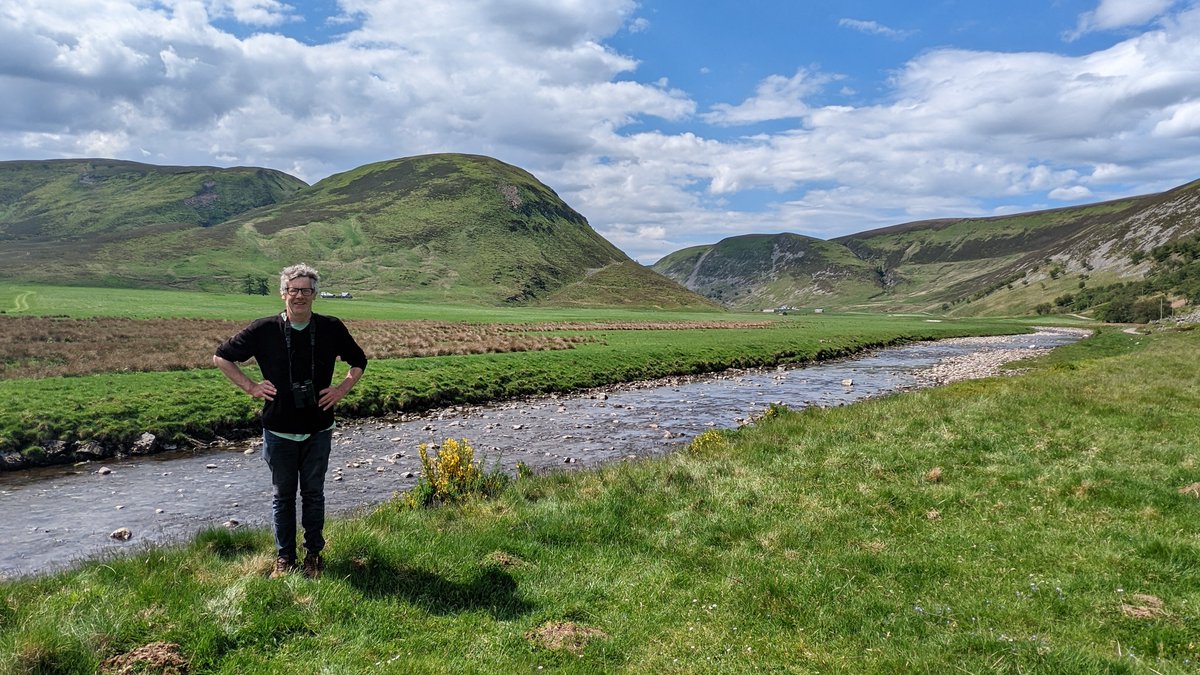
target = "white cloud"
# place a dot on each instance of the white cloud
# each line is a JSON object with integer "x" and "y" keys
{"x": 1113, "y": 14}
{"x": 1073, "y": 193}
{"x": 966, "y": 133}
{"x": 776, "y": 98}
{"x": 412, "y": 78}
{"x": 873, "y": 28}
{"x": 253, "y": 12}
{"x": 1183, "y": 121}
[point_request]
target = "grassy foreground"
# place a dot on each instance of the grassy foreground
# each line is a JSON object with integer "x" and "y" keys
{"x": 1042, "y": 523}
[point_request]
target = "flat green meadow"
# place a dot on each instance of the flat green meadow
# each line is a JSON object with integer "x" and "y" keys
{"x": 198, "y": 405}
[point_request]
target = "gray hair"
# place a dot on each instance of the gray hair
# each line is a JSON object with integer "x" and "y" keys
{"x": 295, "y": 272}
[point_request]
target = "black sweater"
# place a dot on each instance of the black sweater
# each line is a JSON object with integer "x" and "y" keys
{"x": 265, "y": 340}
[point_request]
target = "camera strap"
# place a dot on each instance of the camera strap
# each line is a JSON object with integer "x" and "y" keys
{"x": 312, "y": 343}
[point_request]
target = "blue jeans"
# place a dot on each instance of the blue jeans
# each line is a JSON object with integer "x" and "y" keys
{"x": 298, "y": 465}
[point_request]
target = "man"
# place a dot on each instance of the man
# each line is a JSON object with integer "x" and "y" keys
{"x": 295, "y": 351}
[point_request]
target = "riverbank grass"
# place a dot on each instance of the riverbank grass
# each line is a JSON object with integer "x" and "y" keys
{"x": 41, "y": 417}
{"x": 1040, "y": 523}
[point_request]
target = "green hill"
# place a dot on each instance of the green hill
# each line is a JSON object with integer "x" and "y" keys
{"x": 75, "y": 199}
{"x": 970, "y": 266}
{"x": 445, "y": 228}
{"x": 56, "y": 215}
{"x": 761, "y": 271}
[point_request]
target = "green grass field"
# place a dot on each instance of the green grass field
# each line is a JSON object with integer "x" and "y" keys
{"x": 115, "y": 408}
{"x": 1042, "y": 523}
{"x": 85, "y": 302}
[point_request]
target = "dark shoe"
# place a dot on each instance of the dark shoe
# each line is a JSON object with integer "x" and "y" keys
{"x": 283, "y": 567}
{"x": 314, "y": 564}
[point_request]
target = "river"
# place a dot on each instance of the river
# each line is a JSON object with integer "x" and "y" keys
{"x": 56, "y": 516}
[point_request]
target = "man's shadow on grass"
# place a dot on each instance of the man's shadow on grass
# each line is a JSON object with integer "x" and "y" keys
{"x": 491, "y": 588}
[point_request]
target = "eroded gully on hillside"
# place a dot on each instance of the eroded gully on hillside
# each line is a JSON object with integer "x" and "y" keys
{"x": 58, "y": 515}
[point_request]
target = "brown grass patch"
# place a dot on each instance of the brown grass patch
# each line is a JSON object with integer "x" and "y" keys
{"x": 161, "y": 658}
{"x": 503, "y": 559}
{"x": 566, "y": 635}
{"x": 1143, "y": 607}
{"x": 934, "y": 475}
{"x": 1192, "y": 490}
{"x": 38, "y": 347}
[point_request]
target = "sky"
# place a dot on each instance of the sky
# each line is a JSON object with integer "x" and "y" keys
{"x": 666, "y": 123}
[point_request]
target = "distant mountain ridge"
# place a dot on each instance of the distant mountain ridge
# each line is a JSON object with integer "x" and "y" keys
{"x": 447, "y": 227}
{"x": 968, "y": 266}
{"x": 467, "y": 228}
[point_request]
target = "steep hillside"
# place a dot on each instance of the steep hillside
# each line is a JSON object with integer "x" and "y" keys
{"x": 762, "y": 271}
{"x": 446, "y": 228}
{"x": 1010, "y": 264}
{"x": 1003, "y": 265}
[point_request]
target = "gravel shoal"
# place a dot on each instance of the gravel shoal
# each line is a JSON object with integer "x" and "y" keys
{"x": 985, "y": 363}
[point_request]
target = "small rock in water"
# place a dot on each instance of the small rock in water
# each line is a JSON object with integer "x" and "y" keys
{"x": 248, "y": 451}
{"x": 122, "y": 534}
{"x": 210, "y": 466}
{"x": 159, "y": 511}
{"x": 231, "y": 523}
{"x": 847, "y": 382}
{"x": 104, "y": 471}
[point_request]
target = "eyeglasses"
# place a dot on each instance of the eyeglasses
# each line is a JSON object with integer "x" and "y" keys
{"x": 300, "y": 291}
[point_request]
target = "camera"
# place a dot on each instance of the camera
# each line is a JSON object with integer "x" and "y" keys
{"x": 303, "y": 394}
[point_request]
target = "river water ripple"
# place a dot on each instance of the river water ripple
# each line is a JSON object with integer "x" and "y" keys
{"x": 58, "y": 515}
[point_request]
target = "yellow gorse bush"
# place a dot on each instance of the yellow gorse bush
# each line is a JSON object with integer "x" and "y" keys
{"x": 711, "y": 442}
{"x": 453, "y": 472}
